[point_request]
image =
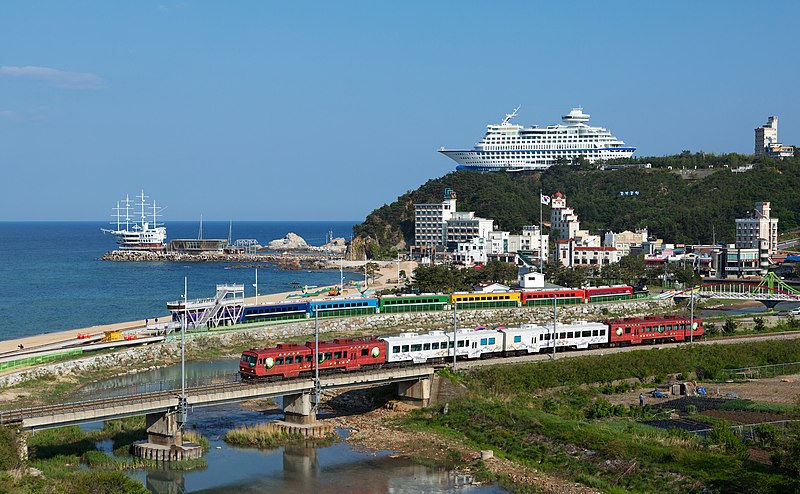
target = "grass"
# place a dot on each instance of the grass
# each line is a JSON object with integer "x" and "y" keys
{"x": 261, "y": 436}
{"x": 583, "y": 451}
{"x": 753, "y": 406}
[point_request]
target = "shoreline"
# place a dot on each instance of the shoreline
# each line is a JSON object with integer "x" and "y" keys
{"x": 384, "y": 278}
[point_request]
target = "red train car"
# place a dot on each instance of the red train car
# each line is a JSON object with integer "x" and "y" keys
{"x": 545, "y": 297}
{"x": 653, "y": 329}
{"x": 291, "y": 360}
{"x": 608, "y": 293}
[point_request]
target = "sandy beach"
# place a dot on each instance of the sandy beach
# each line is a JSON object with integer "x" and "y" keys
{"x": 386, "y": 277}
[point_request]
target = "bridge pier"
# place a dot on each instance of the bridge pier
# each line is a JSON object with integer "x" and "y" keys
{"x": 165, "y": 439}
{"x": 297, "y": 409}
{"x": 22, "y": 444}
{"x": 416, "y": 392}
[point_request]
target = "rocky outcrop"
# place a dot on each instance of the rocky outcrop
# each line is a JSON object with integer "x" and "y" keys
{"x": 291, "y": 241}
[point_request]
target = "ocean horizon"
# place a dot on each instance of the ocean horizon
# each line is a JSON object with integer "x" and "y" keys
{"x": 54, "y": 280}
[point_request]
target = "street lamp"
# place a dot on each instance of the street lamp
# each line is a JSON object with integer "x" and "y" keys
{"x": 255, "y": 285}
{"x": 455, "y": 325}
{"x": 555, "y": 318}
{"x": 182, "y": 405}
{"x": 691, "y": 317}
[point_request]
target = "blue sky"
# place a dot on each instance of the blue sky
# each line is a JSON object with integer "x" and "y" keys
{"x": 326, "y": 110}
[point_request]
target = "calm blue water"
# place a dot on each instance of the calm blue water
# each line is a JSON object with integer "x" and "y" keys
{"x": 51, "y": 278}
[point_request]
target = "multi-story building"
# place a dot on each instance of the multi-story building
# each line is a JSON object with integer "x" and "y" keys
{"x": 563, "y": 220}
{"x": 570, "y": 254}
{"x": 758, "y": 230}
{"x": 625, "y": 240}
{"x": 430, "y": 221}
{"x": 464, "y": 226}
{"x": 530, "y": 243}
{"x": 767, "y": 141}
{"x": 471, "y": 252}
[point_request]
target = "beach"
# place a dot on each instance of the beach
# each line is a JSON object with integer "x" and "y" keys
{"x": 385, "y": 277}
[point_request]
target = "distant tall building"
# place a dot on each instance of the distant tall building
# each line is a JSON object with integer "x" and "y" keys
{"x": 430, "y": 221}
{"x": 758, "y": 230}
{"x": 767, "y": 141}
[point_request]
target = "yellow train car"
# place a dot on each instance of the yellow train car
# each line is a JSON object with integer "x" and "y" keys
{"x": 478, "y": 300}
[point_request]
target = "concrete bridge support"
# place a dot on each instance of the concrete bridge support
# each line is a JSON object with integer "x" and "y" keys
{"x": 165, "y": 439}
{"x": 417, "y": 392}
{"x": 297, "y": 409}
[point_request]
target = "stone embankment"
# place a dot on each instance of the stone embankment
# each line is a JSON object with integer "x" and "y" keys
{"x": 285, "y": 261}
{"x": 166, "y": 353}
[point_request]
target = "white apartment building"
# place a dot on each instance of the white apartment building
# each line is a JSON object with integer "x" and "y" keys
{"x": 625, "y": 240}
{"x": 531, "y": 240}
{"x": 464, "y": 226}
{"x": 758, "y": 230}
{"x": 570, "y": 254}
{"x": 471, "y": 252}
{"x": 430, "y": 221}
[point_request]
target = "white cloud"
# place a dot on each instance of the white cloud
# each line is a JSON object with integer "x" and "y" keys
{"x": 53, "y": 76}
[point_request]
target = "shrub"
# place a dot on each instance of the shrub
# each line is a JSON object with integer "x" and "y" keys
{"x": 730, "y": 326}
{"x": 722, "y": 435}
{"x": 759, "y": 324}
{"x": 9, "y": 456}
{"x": 767, "y": 434}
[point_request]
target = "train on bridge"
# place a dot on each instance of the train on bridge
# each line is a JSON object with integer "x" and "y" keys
{"x": 350, "y": 354}
{"x": 228, "y": 306}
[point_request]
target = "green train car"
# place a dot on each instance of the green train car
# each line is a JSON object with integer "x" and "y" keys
{"x": 413, "y": 303}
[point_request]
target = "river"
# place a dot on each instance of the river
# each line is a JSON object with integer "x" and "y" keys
{"x": 299, "y": 468}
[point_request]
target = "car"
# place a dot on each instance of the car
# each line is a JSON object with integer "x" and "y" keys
{"x": 659, "y": 394}
{"x": 795, "y": 311}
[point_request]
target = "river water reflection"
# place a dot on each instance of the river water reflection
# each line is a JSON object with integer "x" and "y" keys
{"x": 338, "y": 468}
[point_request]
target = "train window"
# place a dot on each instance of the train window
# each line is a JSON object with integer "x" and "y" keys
{"x": 460, "y": 343}
{"x": 279, "y": 361}
{"x": 602, "y": 332}
{"x": 426, "y": 346}
{"x": 289, "y": 360}
{"x": 451, "y": 344}
{"x": 395, "y": 349}
{"x": 416, "y": 348}
{"x": 587, "y": 333}
{"x": 628, "y": 330}
{"x": 309, "y": 358}
{"x": 669, "y": 328}
{"x": 518, "y": 339}
{"x": 594, "y": 332}
{"x": 483, "y": 341}
{"x": 435, "y": 345}
{"x": 562, "y": 335}
{"x": 328, "y": 355}
{"x": 337, "y": 355}
{"x": 569, "y": 334}
{"x": 365, "y": 352}
{"x": 405, "y": 348}
{"x": 491, "y": 341}
{"x": 546, "y": 336}
{"x": 260, "y": 361}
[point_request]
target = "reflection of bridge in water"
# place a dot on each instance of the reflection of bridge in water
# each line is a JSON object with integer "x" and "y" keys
{"x": 770, "y": 291}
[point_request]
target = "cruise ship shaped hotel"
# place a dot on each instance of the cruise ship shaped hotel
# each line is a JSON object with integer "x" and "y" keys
{"x": 511, "y": 147}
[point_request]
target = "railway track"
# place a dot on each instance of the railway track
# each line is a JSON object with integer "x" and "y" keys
{"x": 232, "y": 382}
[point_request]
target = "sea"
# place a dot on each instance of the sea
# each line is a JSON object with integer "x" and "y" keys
{"x": 52, "y": 278}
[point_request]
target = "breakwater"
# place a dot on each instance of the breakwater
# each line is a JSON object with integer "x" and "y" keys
{"x": 293, "y": 260}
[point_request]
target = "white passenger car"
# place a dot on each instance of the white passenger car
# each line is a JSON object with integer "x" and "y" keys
{"x": 579, "y": 335}
{"x": 437, "y": 345}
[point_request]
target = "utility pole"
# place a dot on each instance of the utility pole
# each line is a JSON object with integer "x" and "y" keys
{"x": 555, "y": 318}
{"x": 455, "y": 326}
{"x": 317, "y": 387}
{"x": 182, "y": 404}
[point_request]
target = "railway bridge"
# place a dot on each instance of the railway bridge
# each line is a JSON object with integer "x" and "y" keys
{"x": 770, "y": 291}
{"x": 162, "y": 408}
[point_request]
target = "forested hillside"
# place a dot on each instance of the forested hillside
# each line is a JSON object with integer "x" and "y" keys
{"x": 669, "y": 205}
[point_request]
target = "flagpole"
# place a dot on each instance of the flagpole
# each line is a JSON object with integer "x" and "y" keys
{"x": 541, "y": 237}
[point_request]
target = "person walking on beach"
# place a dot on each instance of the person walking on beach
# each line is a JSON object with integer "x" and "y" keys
{"x": 641, "y": 400}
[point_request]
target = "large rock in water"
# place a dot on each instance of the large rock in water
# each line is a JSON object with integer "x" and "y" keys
{"x": 291, "y": 241}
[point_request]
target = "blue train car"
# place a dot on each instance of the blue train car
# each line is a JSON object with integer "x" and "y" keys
{"x": 275, "y": 311}
{"x": 338, "y": 307}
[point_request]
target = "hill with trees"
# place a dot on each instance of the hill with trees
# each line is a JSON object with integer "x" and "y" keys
{"x": 673, "y": 202}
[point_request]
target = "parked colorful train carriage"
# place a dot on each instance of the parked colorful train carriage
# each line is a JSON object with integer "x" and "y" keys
{"x": 338, "y": 307}
{"x": 654, "y": 329}
{"x": 608, "y": 293}
{"x": 563, "y": 296}
{"x": 413, "y": 303}
{"x": 292, "y": 360}
{"x": 275, "y": 311}
{"x": 479, "y": 300}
